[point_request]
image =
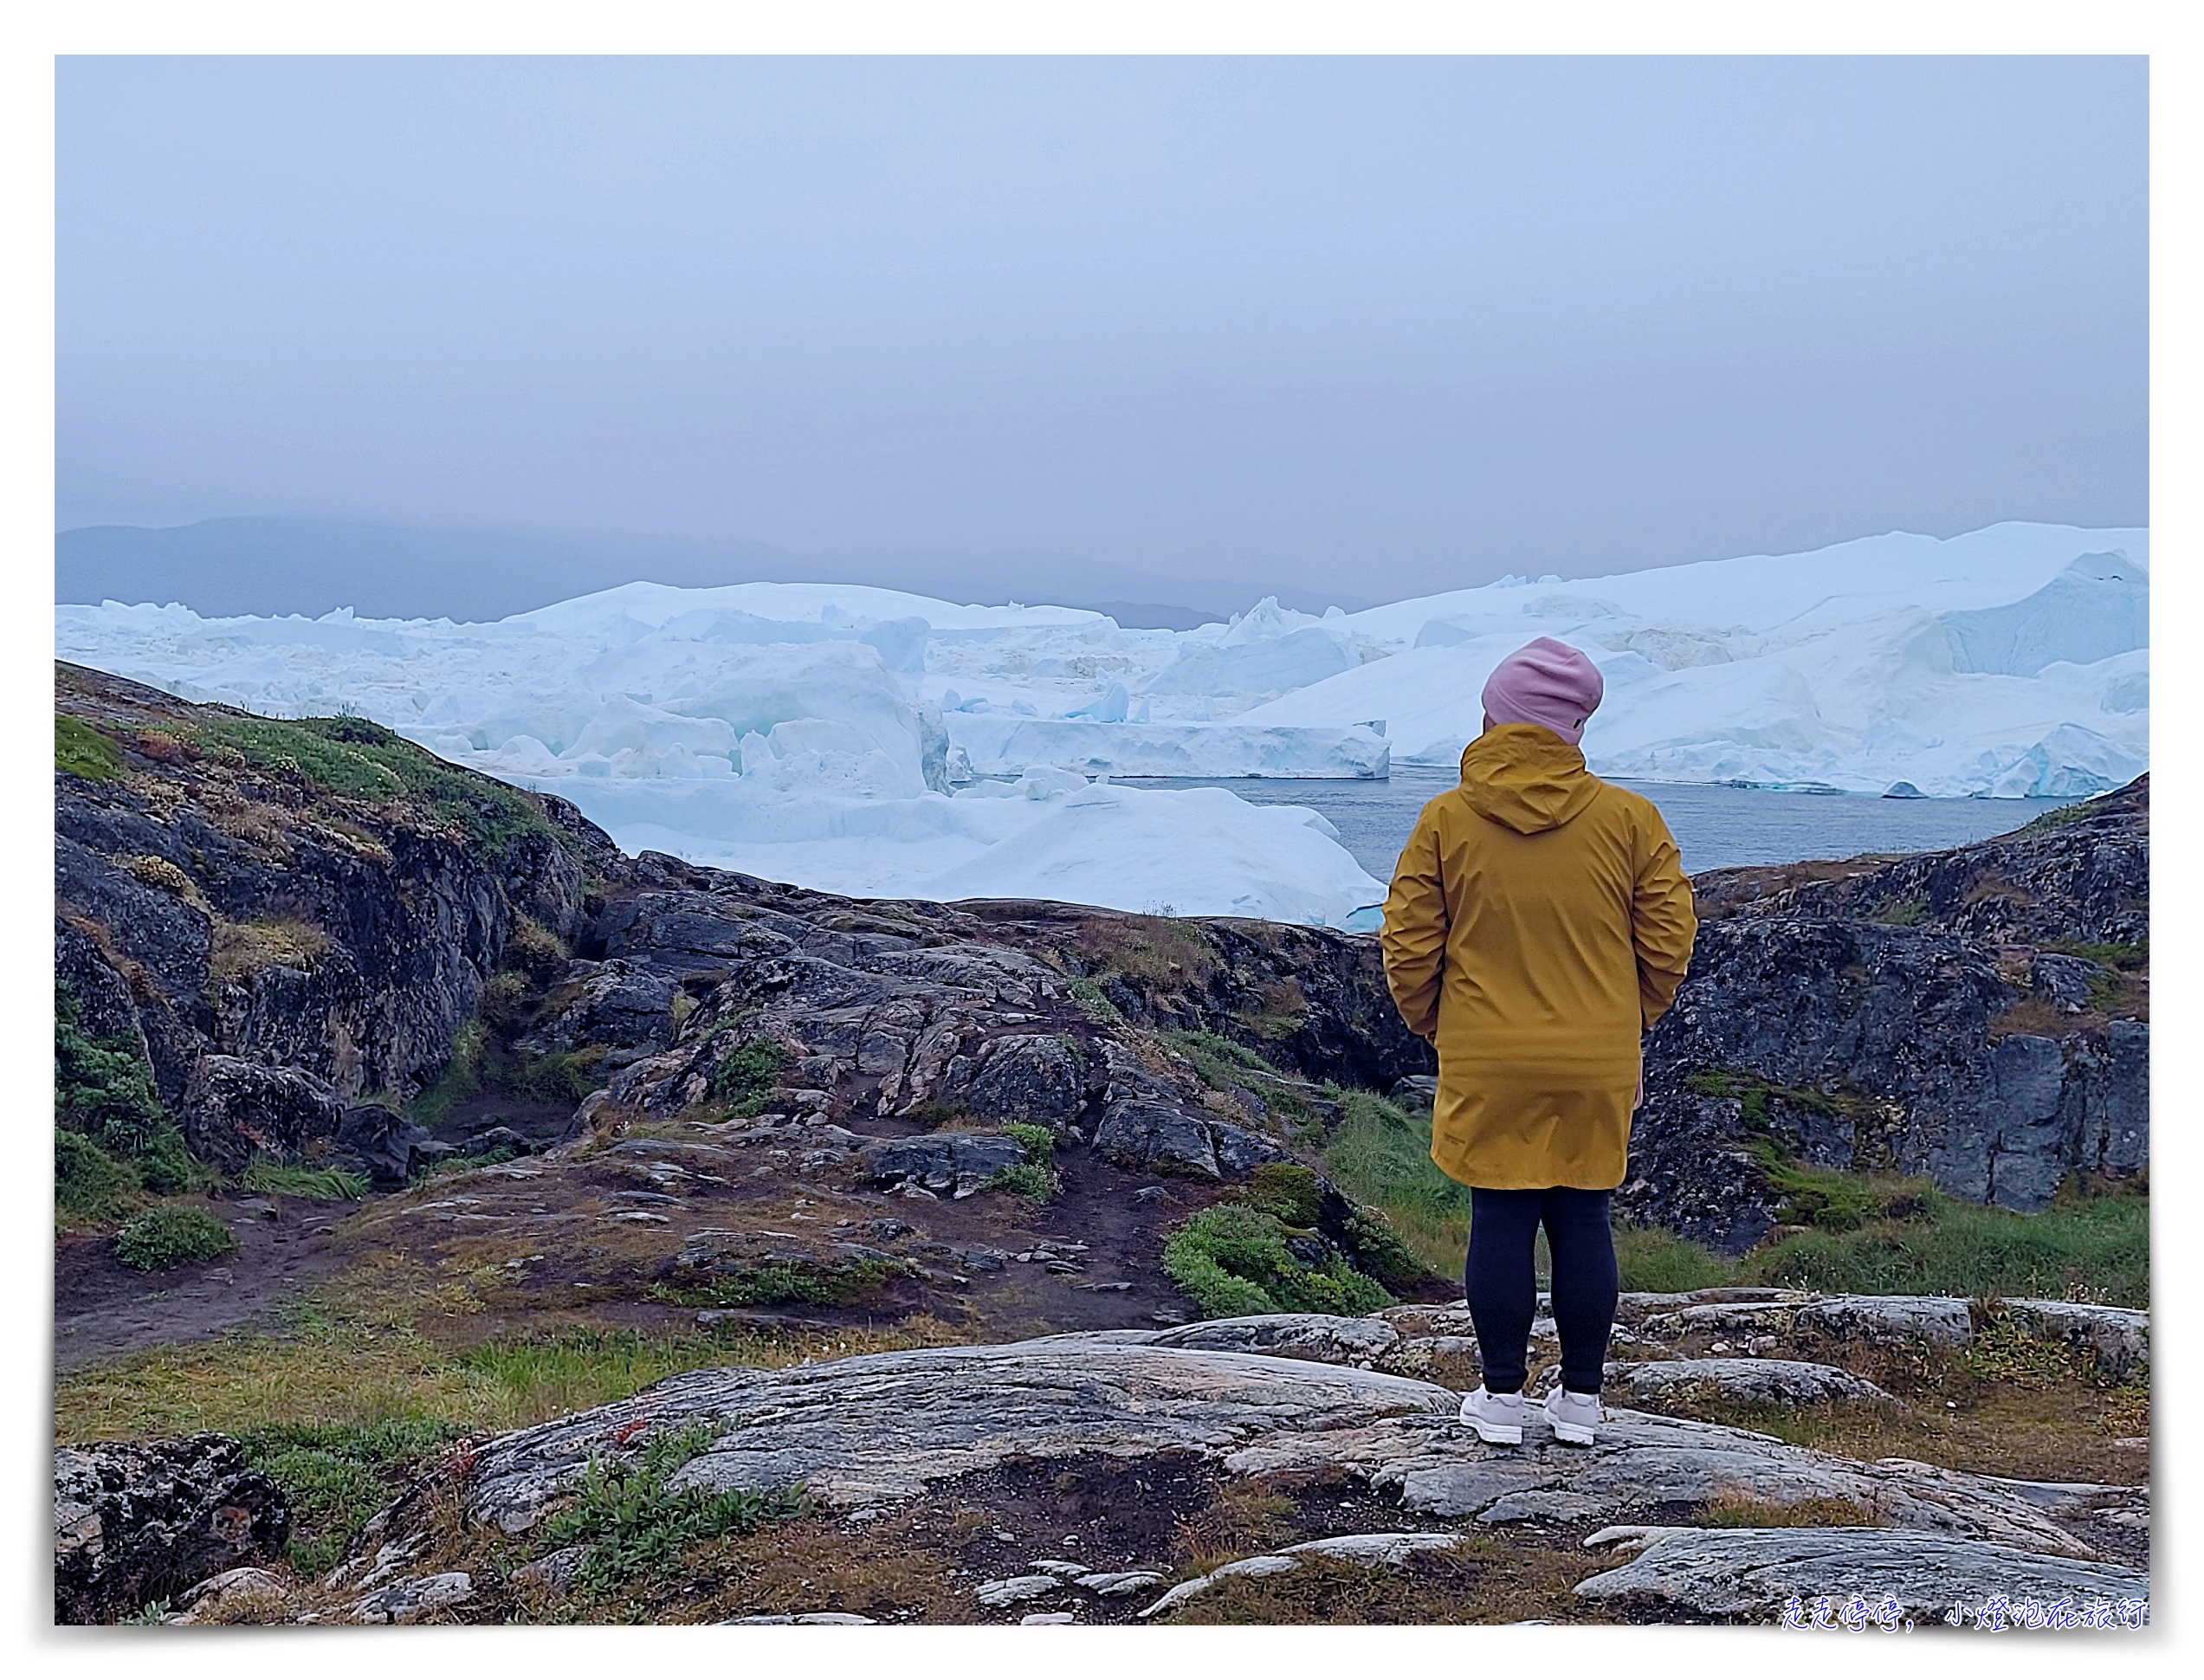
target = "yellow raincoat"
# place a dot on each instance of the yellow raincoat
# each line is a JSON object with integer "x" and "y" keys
{"x": 1540, "y": 920}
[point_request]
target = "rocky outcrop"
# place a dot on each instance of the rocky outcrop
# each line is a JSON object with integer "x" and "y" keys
{"x": 1752, "y": 1574}
{"x": 138, "y": 1521}
{"x": 230, "y": 908}
{"x": 1916, "y": 1018}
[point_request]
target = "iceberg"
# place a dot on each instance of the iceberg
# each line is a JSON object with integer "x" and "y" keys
{"x": 872, "y": 741}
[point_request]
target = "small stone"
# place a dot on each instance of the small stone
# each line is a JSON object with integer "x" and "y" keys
{"x": 1046, "y": 1619}
{"x": 1014, "y": 1589}
{"x": 1062, "y": 1566}
{"x": 1116, "y": 1584}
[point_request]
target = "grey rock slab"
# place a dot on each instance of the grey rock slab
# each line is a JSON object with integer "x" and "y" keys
{"x": 1323, "y": 1337}
{"x": 1372, "y": 1551}
{"x": 1784, "y": 1382}
{"x": 878, "y": 1428}
{"x": 1752, "y": 1572}
{"x": 1639, "y": 1461}
{"x": 813, "y": 1619}
{"x": 1939, "y": 1319}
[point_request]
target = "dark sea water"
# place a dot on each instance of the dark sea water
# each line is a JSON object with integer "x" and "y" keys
{"x": 1715, "y": 827}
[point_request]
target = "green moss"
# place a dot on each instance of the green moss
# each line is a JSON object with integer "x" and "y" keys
{"x": 1037, "y": 1141}
{"x": 81, "y": 751}
{"x": 638, "y": 1527}
{"x": 354, "y": 758}
{"x": 1233, "y": 1260}
{"x": 747, "y": 1076}
{"x": 1287, "y": 1191}
{"x": 169, "y": 1236}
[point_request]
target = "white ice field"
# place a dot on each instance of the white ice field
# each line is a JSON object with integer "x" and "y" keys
{"x": 866, "y": 741}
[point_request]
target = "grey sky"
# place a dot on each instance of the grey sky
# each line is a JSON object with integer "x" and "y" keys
{"x": 1411, "y": 323}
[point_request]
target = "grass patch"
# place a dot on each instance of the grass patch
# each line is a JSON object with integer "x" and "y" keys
{"x": 239, "y": 950}
{"x": 326, "y": 1184}
{"x": 336, "y": 1476}
{"x": 1234, "y": 1259}
{"x": 2051, "y": 820}
{"x": 2097, "y": 1249}
{"x": 1660, "y": 1262}
{"x": 2124, "y": 954}
{"x": 1092, "y": 1002}
{"x": 637, "y": 1528}
{"x": 1153, "y": 950}
{"x": 356, "y": 1371}
{"x": 1380, "y": 1156}
{"x": 81, "y": 751}
{"x": 169, "y": 1236}
{"x": 1900, "y": 912}
{"x": 747, "y": 1076}
{"x": 460, "y": 1078}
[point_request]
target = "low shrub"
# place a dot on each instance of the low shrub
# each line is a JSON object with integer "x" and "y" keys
{"x": 169, "y": 1236}
{"x": 1235, "y": 1259}
{"x": 746, "y": 1075}
{"x": 637, "y": 1527}
{"x": 104, "y": 1090}
{"x": 791, "y": 1282}
{"x": 1026, "y": 1179}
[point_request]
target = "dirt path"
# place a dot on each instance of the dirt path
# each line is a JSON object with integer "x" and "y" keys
{"x": 103, "y": 1310}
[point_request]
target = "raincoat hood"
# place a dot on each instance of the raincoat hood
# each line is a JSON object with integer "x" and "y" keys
{"x": 1525, "y": 777}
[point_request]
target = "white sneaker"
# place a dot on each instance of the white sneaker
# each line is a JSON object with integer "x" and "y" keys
{"x": 1572, "y": 1415}
{"x": 1497, "y": 1419}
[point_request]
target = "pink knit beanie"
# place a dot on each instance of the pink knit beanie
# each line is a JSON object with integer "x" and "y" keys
{"x": 1548, "y": 684}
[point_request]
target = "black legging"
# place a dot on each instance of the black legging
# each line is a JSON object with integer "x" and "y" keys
{"x": 1502, "y": 1288}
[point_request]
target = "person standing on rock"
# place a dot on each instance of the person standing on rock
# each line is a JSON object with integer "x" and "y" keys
{"x": 1540, "y": 922}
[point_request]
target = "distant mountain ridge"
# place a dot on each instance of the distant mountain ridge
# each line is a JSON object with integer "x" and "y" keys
{"x": 273, "y": 568}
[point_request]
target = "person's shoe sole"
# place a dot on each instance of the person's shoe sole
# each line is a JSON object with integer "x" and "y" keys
{"x": 1575, "y": 1434}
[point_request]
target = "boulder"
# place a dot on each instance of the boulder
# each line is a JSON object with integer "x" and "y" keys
{"x": 384, "y": 1143}
{"x": 134, "y": 1522}
{"x": 959, "y": 1162}
{"x": 1750, "y": 1574}
{"x": 2118, "y": 1338}
{"x": 234, "y": 1109}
